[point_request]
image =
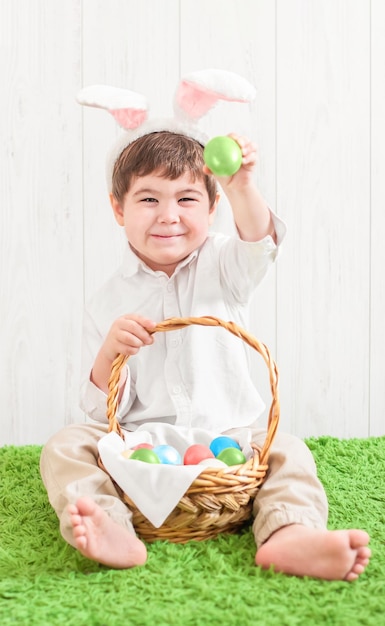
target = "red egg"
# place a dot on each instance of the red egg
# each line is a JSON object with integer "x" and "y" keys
{"x": 197, "y": 453}
{"x": 149, "y": 446}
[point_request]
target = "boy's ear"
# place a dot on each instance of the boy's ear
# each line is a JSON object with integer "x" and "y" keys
{"x": 213, "y": 208}
{"x": 117, "y": 209}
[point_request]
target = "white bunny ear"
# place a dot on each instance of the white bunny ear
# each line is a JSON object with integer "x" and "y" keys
{"x": 127, "y": 107}
{"x": 198, "y": 92}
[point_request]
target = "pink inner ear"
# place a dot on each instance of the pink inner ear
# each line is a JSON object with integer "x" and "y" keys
{"x": 129, "y": 118}
{"x": 195, "y": 100}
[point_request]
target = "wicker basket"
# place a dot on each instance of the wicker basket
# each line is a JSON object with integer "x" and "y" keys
{"x": 220, "y": 499}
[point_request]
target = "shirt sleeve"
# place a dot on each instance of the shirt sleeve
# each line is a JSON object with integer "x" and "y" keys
{"x": 280, "y": 228}
{"x": 244, "y": 264}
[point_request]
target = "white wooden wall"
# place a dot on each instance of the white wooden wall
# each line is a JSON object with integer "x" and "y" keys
{"x": 318, "y": 119}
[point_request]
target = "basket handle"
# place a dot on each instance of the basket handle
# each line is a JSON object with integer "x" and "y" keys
{"x": 176, "y": 323}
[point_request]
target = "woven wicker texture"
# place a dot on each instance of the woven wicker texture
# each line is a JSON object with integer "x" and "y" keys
{"x": 220, "y": 499}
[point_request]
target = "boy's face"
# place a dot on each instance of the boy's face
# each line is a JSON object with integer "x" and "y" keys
{"x": 165, "y": 220}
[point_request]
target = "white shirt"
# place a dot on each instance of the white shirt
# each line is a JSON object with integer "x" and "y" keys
{"x": 197, "y": 376}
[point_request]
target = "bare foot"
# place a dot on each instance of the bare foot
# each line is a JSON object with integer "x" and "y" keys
{"x": 302, "y": 551}
{"x": 101, "y": 539}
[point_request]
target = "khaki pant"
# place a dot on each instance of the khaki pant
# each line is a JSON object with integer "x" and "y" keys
{"x": 291, "y": 493}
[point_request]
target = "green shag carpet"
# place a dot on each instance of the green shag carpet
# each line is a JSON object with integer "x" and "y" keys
{"x": 45, "y": 582}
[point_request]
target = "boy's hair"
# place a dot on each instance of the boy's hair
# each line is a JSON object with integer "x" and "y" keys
{"x": 169, "y": 154}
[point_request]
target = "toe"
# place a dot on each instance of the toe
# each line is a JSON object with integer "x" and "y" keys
{"x": 351, "y": 576}
{"x": 78, "y": 531}
{"x": 359, "y": 539}
{"x": 357, "y": 569}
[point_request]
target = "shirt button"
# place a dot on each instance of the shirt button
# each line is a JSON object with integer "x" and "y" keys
{"x": 170, "y": 287}
{"x": 176, "y": 389}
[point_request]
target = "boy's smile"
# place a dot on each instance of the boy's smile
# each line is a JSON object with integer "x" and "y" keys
{"x": 165, "y": 220}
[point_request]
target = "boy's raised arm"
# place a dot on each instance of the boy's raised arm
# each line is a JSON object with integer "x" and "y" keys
{"x": 251, "y": 213}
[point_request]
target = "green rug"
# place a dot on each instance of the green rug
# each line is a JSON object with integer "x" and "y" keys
{"x": 45, "y": 582}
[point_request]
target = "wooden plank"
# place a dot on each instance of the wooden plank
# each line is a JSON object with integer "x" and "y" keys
{"x": 377, "y": 343}
{"x": 41, "y": 220}
{"x": 323, "y": 179}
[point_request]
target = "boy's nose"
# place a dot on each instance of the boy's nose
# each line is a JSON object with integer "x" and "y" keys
{"x": 168, "y": 213}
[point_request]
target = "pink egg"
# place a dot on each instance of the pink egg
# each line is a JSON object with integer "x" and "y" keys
{"x": 197, "y": 453}
{"x": 149, "y": 446}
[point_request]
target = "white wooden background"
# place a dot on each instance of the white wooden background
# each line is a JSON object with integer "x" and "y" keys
{"x": 319, "y": 69}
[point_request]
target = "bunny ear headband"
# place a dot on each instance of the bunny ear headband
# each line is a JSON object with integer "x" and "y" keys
{"x": 196, "y": 94}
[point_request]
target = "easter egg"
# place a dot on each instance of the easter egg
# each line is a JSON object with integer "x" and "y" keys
{"x": 196, "y": 453}
{"x": 145, "y": 455}
{"x": 220, "y": 443}
{"x": 212, "y": 463}
{"x": 168, "y": 454}
{"x": 232, "y": 456}
{"x": 127, "y": 453}
{"x": 223, "y": 156}
{"x": 149, "y": 446}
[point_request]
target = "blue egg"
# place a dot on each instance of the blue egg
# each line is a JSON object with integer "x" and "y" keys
{"x": 168, "y": 455}
{"x": 220, "y": 443}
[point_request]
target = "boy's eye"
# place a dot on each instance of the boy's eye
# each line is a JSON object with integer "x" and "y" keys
{"x": 148, "y": 200}
{"x": 187, "y": 200}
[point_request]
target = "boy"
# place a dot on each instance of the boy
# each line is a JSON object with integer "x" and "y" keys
{"x": 165, "y": 198}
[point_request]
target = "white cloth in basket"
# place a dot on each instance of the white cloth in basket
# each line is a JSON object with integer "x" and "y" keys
{"x": 157, "y": 489}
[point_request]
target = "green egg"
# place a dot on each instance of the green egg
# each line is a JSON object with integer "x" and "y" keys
{"x": 223, "y": 156}
{"x": 145, "y": 455}
{"x": 231, "y": 456}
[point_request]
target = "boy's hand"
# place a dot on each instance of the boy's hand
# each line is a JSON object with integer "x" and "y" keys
{"x": 127, "y": 335}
